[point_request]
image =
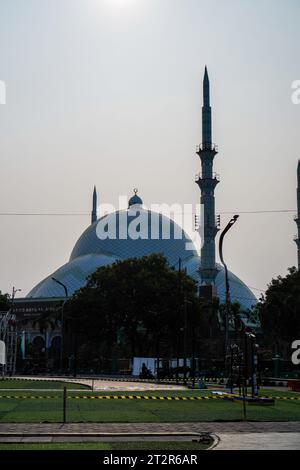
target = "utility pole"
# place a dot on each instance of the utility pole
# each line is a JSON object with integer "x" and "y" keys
{"x": 15, "y": 334}
{"x": 297, "y": 218}
{"x": 62, "y": 321}
{"x": 252, "y": 338}
{"x": 185, "y": 340}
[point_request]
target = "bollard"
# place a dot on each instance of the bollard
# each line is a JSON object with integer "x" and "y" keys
{"x": 244, "y": 402}
{"x": 65, "y": 405}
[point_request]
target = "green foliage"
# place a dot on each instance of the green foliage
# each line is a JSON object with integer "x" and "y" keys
{"x": 279, "y": 308}
{"x": 4, "y": 302}
{"x": 135, "y": 304}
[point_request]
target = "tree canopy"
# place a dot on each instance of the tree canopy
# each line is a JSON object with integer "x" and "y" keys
{"x": 4, "y": 302}
{"x": 137, "y": 303}
{"x": 279, "y": 309}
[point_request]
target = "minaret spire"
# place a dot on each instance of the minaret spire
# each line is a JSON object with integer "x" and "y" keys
{"x": 206, "y": 111}
{"x": 94, "y": 211}
{"x": 207, "y": 182}
{"x": 297, "y": 218}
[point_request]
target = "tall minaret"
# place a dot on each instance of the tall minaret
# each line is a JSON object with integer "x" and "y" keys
{"x": 297, "y": 219}
{"x": 94, "y": 211}
{"x": 207, "y": 182}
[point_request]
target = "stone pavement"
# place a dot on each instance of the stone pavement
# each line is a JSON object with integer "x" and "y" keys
{"x": 257, "y": 441}
{"x": 232, "y": 435}
{"x": 198, "y": 427}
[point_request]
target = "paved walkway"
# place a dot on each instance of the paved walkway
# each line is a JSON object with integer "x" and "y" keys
{"x": 213, "y": 427}
{"x": 99, "y": 384}
{"x": 257, "y": 441}
{"x": 112, "y": 385}
{"x": 232, "y": 435}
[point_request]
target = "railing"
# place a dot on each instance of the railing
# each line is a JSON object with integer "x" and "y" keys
{"x": 207, "y": 146}
{"x": 200, "y": 176}
{"x": 197, "y": 222}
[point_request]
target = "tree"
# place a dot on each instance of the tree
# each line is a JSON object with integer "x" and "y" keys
{"x": 135, "y": 306}
{"x": 4, "y": 302}
{"x": 279, "y": 310}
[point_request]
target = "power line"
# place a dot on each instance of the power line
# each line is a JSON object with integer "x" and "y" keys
{"x": 45, "y": 214}
{"x": 84, "y": 214}
{"x": 260, "y": 212}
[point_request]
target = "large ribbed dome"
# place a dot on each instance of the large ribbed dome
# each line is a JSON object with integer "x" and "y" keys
{"x": 134, "y": 233}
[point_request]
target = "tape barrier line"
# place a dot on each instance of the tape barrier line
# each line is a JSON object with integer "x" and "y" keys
{"x": 114, "y": 397}
{"x": 267, "y": 397}
{"x": 137, "y": 397}
{"x": 114, "y": 379}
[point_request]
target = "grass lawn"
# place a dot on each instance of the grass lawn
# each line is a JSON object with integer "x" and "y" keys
{"x": 28, "y": 410}
{"x": 189, "y": 445}
{"x": 39, "y": 384}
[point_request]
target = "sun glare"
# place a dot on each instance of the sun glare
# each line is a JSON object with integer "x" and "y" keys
{"x": 119, "y": 9}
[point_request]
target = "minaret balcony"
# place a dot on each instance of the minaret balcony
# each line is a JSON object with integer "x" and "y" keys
{"x": 200, "y": 177}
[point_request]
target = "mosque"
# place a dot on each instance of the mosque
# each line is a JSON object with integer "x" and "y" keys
{"x": 91, "y": 251}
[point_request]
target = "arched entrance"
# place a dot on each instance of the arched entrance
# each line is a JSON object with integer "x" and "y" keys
{"x": 38, "y": 354}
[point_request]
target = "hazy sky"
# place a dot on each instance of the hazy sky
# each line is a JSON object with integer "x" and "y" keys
{"x": 108, "y": 92}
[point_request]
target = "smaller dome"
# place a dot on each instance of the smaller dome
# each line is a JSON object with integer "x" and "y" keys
{"x": 135, "y": 200}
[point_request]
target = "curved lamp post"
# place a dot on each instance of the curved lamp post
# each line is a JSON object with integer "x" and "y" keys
{"x": 228, "y": 227}
{"x": 62, "y": 320}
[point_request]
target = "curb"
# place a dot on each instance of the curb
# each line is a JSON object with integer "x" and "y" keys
{"x": 216, "y": 441}
{"x": 197, "y": 437}
{"x": 101, "y": 434}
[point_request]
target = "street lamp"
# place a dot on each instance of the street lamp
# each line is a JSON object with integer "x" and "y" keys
{"x": 14, "y": 357}
{"x": 185, "y": 341}
{"x": 14, "y": 291}
{"x": 252, "y": 337}
{"x": 185, "y": 330}
{"x": 62, "y": 320}
{"x": 228, "y": 227}
{"x": 234, "y": 357}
